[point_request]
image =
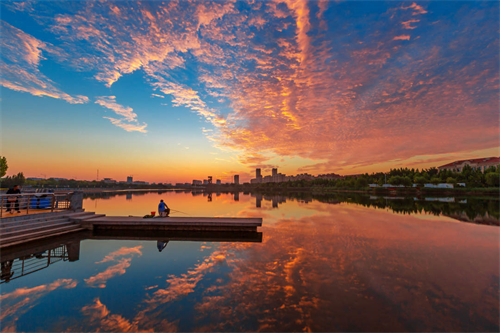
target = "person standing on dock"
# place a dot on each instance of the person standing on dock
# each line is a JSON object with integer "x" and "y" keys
{"x": 163, "y": 209}
{"x": 13, "y": 200}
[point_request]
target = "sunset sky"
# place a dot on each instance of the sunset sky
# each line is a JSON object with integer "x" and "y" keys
{"x": 171, "y": 91}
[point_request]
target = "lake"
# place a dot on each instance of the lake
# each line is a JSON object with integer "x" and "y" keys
{"x": 344, "y": 262}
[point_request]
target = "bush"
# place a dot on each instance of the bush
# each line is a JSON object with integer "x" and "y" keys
{"x": 361, "y": 183}
{"x": 420, "y": 180}
{"x": 435, "y": 180}
{"x": 493, "y": 179}
{"x": 451, "y": 180}
{"x": 398, "y": 180}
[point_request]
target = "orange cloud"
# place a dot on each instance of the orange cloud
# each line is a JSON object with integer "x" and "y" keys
{"x": 124, "y": 251}
{"x": 178, "y": 286}
{"x": 407, "y": 24}
{"x": 100, "y": 318}
{"x": 417, "y": 9}
{"x": 307, "y": 269}
{"x": 402, "y": 37}
{"x": 344, "y": 100}
{"x": 100, "y": 279}
{"x": 21, "y": 300}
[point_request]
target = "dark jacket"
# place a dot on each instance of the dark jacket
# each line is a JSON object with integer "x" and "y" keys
{"x": 12, "y": 191}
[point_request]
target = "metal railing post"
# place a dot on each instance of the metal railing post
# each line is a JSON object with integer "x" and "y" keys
{"x": 53, "y": 202}
{"x": 1, "y": 209}
{"x": 28, "y": 206}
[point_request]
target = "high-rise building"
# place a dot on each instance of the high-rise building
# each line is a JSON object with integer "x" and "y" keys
{"x": 130, "y": 179}
{"x": 257, "y": 173}
{"x": 218, "y": 182}
{"x": 275, "y": 172}
{"x": 236, "y": 179}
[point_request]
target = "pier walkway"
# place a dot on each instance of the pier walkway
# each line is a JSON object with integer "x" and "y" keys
{"x": 169, "y": 223}
{"x": 19, "y": 230}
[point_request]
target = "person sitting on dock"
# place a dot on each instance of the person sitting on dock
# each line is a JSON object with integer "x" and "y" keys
{"x": 163, "y": 209}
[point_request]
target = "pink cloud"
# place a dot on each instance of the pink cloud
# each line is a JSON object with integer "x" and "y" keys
{"x": 21, "y": 57}
{"x": 417, "y": 9}
{"x": 128, "y": 122}
{"x": 21, "y": 300}
{"x": 407, "y": 24}
{"x": 402, "y": 37}
{"x": 124, "y": 251}
{"x": 110, "y": 103}
{"x": 299, "y": 94}
{"x": 99, "y": 280}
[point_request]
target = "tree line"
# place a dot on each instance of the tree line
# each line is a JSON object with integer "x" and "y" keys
{"x": 472, "y": 178}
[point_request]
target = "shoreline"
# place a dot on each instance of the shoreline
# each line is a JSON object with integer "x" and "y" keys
{"x": 487, "y": 192}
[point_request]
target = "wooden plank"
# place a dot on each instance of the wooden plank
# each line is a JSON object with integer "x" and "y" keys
{"x": 40, "y": 236}
{"x": 223, "y": 221}
{"x": 30, "y": 235}
{"x": 86, "y": 217}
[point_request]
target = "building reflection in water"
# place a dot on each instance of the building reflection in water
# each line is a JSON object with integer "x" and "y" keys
{"x": 470, "y": 209}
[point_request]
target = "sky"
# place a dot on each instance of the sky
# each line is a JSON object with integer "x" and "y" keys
{"x": 171, "y": 91}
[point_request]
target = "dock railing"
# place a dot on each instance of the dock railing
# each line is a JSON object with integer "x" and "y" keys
{"x": 31, "y": 203}
{"x": 13, "y": 269}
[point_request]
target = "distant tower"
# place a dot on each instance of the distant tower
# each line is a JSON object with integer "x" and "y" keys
{"x": 275, "y": 172}
{"x": 236, "y": 179}
{"x": 130, "y": 179}
{"x": 257, "y": 173}
{"x": 209, "y": 180}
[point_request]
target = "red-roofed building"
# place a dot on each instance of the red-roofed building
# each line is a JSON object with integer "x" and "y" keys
{"x": 478, "y": 163}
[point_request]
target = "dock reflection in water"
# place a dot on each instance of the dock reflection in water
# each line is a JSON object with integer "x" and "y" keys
{"x": 324, "y": 264}
{"x": 20, "y": 261}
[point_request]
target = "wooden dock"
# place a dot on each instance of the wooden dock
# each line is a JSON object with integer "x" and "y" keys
{"x": 18, "y": 230}
{"x": 100, "y": 222}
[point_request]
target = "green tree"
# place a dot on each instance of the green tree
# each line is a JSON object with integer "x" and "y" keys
{"x": 406, "y": 181}
{"x": 19, "y": 179}
{"x": 493, "y": 179}
{"x": 420, "y": 180}
{"x": 361, "y": 182}
{"x": 3, "y": 166}
{"x": 435, "y": 180}
{"x": 395, "y": 180}
{"x": 451, "y": 180}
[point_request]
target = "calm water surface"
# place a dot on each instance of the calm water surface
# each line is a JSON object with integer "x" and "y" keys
{"x": 337, "y": 265}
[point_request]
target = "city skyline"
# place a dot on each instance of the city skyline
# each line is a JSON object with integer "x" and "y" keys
{"x": 177, "y": 90}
